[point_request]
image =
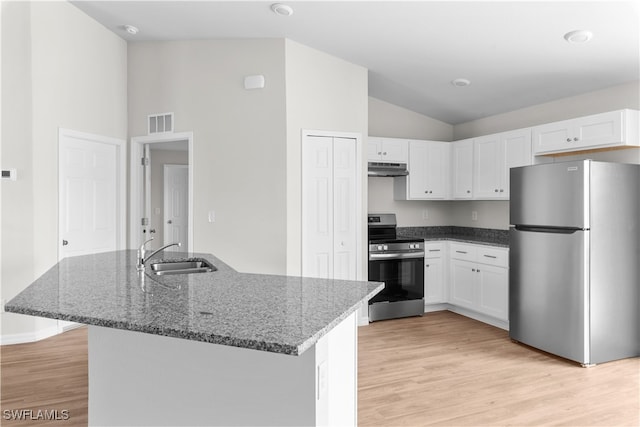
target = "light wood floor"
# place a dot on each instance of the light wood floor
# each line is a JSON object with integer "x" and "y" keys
{"x": 440, "y": 369}
{"x": 446, "y": 369}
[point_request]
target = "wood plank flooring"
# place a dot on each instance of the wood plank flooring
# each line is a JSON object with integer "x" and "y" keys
{"x": 46, "y": 375}
{"x": 440, "y": 369}
{"x": 446, "y": 369}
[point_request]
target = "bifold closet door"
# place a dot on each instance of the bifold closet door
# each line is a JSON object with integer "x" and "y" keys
{"x": 329, "y": 207}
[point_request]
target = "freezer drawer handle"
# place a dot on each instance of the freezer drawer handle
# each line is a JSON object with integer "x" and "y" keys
{"x": 490, "y": 256}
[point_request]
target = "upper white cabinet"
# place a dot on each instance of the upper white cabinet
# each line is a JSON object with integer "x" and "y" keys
{"x": 390, "y": 150}
{"x": 494, "y": 155}
{"x": 428, "y": 172}
{"x": 462, "y": 169}
{"x": 606, "y": 130}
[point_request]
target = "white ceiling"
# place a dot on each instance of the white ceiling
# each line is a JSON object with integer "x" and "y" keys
{"x": 512, "y": 51}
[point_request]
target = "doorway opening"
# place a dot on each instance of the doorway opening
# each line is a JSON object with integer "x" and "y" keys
{"x": 149, "y": 217}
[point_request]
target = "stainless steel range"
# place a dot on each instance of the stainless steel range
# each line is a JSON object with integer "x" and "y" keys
{"x": 399, "y": 263}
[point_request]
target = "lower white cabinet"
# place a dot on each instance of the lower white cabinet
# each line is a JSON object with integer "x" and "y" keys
{"x": 434, "y": 273}
{"x": 479, "y": 279}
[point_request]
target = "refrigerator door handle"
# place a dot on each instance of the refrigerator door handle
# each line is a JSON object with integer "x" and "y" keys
{"x": 541, "y": 229}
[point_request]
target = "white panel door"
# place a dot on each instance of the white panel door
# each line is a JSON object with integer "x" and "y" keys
{"x": 176, "y": 205}
{"x": 344, "y": 208}
{"x": 317, "y": 207}
{"x": 329, "y": 221}
{"x": 88, "y": 196}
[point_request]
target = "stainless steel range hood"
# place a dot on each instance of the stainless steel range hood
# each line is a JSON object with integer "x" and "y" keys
{"x": 387, "y": 169}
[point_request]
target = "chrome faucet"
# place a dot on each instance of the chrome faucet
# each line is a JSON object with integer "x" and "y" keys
{"x": 140, "y": 265}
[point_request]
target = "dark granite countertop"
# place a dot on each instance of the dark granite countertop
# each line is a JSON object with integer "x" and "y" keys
{"x": 281, "y": 314}
{"x": 483, "y": 236}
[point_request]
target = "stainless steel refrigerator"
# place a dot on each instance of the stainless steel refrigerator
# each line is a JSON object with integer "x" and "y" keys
{"x": 574, "y": 259}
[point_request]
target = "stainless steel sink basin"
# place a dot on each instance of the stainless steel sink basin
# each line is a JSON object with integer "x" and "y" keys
{"x": 182, "y": 266}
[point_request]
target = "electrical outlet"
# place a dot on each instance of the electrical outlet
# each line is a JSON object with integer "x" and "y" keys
{"x": 474, "y": 215}
{"x": 212, "y": 216}
{"x": 425, "y": 214}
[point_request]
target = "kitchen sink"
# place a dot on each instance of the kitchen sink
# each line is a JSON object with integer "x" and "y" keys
{"x": 182, "y": 266}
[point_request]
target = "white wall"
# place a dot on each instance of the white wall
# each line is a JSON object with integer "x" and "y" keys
{"x": 323, "y": 93}
{"x": 239, "y": 141}
{"x": 388, "y": 120}
{"x": 52, "y": 78}
{"x": 391, "y": 121}
{"x": 613, "y": 98}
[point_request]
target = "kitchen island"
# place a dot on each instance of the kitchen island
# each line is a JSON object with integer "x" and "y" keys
{"x": 218, "y": 348}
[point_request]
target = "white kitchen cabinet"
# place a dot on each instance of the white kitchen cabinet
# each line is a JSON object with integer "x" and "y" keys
{"x": 429, "y": 172}
{"x": 390, "y": 150}
{"x": 480, "y": 279}
{"x": 494, "y": 155}
{"x": 605, "y": 130}
{"x": 434, "y": 273}
{"x": 462, "y": 169}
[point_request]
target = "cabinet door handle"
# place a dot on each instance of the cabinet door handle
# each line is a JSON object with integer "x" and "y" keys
{"x": 468, "y": 191}
{"x": 461, "y": 252}
{"x": 473, "y": 269}
{"x": 490, "y": 256}
{"x": 502, "y": 190}
{"x": 434, "y": 250}
{"x": 568, "y": 139}
{"x": 427, "y": 265}
{"x": 379, "y": 152}
{"x": 385, "y": 153}
{"x": 478, "y": 271}
{"x": 575, "y": 139}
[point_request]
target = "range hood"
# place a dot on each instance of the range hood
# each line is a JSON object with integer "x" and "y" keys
{"x": 387, "y": 169}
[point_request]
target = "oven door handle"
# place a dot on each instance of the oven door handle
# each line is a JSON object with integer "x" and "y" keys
{"x": 417, "y": 255}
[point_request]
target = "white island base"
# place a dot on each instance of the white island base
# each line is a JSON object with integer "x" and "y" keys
{"x": 139, "y": 379}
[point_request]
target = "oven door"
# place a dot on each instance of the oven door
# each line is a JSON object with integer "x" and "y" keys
{"x": 402, "y": 273}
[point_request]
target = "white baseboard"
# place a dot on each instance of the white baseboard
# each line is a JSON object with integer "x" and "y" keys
{"x": 27, "y": 337}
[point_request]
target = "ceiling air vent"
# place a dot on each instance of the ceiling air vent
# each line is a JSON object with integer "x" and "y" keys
{"x": 160, "y": 123}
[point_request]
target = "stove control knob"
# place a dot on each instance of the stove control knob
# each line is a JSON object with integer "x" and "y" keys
{"x": 385, "y": 247}
{"x": 380, "y": 247}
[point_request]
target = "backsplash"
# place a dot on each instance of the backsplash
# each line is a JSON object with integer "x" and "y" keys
{"x": 488, "y": 235}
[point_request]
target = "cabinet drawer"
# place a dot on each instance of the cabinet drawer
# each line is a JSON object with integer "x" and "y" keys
{"x": 463, "y": 252}
{"x": 493, "y": 256}
{"x": 433, "y": 249}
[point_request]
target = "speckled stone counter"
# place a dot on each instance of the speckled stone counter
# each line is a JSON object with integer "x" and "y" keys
{"x": 281, "y": 314}
{"x": 483, "y": 236}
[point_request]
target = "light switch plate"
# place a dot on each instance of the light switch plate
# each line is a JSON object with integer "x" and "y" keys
{"x": 212, "y": 216}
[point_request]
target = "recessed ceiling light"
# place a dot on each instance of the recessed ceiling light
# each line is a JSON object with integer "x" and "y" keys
{"x": 130, "y": 29}
{"x": 282, "y": 9}
{"x": 578, "y": 36}
{"x": 461, "y": 82}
